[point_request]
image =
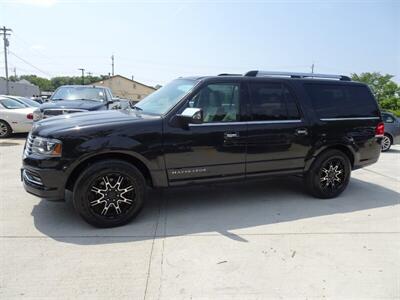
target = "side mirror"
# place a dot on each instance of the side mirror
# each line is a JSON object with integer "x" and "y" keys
{"x": 191, "y": 115}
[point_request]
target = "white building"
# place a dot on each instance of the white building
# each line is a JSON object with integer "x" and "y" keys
{"x": 20, "y": 88}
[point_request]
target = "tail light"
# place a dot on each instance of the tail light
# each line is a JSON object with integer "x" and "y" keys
{"x": 380, "y": 129}
{"x": 29, "y": 116}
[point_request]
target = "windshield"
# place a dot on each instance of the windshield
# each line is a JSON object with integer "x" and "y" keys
{"x": 12, "y": 104}
{"x": 79, "y": 93}
{"x": 162, "y": 100}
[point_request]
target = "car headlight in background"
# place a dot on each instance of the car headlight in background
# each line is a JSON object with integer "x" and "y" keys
{"x": 46, "y": 147}
{"x": 37, "y": 115}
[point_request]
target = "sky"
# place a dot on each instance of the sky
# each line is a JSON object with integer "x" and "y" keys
{"x": 157, "y": 41}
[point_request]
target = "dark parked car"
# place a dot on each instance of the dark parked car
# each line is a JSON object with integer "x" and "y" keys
{"x": 77, "y": 98}
{"x": 203, "y": 130}
{"x": 392, "y": 130}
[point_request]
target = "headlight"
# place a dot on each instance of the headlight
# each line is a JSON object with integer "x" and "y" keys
{"x": 47, "y": 147}
{"x": 37, "y": 115}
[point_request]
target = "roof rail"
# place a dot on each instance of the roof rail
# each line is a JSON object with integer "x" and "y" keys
{"x": 227, "y": 74}
{"x": 296, "y": 75}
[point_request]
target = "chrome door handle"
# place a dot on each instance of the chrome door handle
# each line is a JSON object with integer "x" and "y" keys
{"x": 301, "y": 131}
{"x": 231, "y": 135}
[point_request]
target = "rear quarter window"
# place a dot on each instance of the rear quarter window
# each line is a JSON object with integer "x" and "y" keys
{"x": 342, "y": 101}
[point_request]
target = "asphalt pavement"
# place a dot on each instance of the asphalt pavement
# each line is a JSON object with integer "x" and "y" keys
{"x": 257, "y": 240}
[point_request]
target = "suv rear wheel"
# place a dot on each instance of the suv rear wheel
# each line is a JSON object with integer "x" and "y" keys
{"x": 329, "y": 175}
{"x": 109, "y": 193}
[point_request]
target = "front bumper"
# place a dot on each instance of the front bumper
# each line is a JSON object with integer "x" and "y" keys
{"x": 44, "y": 183}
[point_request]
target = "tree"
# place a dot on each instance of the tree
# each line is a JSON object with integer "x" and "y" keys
{"x": 386, "y": 91}
{"x": 45, "y": 84}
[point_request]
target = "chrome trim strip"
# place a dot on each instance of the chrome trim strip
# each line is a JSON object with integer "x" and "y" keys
{"x": 62, "y": 109}
{"x": 274, "y": 122}
{"x": 29, "y": 179}
{"x": 245, "y": 123}
{"x": 344, "y": 119}
{"x": 218, "y": 124}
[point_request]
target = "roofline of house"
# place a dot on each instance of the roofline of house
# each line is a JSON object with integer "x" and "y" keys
{"x": 151, "y": 87}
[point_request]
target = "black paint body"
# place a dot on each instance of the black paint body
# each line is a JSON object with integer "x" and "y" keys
{"x": 170, "y": 154}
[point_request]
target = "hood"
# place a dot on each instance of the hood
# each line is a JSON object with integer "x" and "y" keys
{"x": 97, "y": 119}
{"x": 70, "y": 104}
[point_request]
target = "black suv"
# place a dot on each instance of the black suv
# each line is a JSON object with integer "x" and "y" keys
{"x": 202, "y": 130}
{"x": 77, "y": 98}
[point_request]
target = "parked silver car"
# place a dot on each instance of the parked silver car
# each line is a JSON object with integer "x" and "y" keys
{"x": 15, "y": 117}
{"x": 392, "y": 130}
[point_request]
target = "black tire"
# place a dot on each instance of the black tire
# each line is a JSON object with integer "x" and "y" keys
{"x": 386, "y": 143}
{"x": 5, "y": 129}
{"x": 329, "y": 175}
{"x": 100, "y": 189}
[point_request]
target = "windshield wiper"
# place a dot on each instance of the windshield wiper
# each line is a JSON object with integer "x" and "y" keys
{"x": 137, "y": 108}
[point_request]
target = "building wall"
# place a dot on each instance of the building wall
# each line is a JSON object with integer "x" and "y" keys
{"x": 19, "y": 88}
{"x": 126, "y": 88}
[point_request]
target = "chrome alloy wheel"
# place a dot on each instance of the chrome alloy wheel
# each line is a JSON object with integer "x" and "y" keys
{"x": 332, "y": 174}
{"x": 3, "y": 129}
{"x": 112, "y": 196}
{"x": 386, "y": 143}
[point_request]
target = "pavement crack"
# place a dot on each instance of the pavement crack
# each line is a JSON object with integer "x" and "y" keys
{"x": 152, "y": 246}
{"x": 163, "y": 246}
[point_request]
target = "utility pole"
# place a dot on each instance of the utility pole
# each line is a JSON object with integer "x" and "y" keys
{"x": 3, "y": 31}
{"x": 83, "y": 75}
{"x": 15, "y": 73}
{"x": 89, "y": 74}
{"x": 312, "y": 68}
{"x": 112, "y": 65}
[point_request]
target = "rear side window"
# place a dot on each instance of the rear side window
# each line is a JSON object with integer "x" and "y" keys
{"x": 341, "y": 101}
{"x": 272, "y": 101}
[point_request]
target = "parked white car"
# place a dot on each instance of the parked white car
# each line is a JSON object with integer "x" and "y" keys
{"x": 24, "y": 100}
{"x": 15, "y": 117}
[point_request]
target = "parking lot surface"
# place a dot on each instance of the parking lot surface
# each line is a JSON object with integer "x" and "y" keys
{"x": 257, "y": 240}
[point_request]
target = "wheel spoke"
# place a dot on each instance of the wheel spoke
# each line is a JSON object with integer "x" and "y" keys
{"x": 118, "y": 184}
{"x": 107, "y": 182}
{"x": 127, "y": 189}
{"x": 98, "y": 201}
{"x": 125, "y": 200}
{"x": 105, "y": 209}
{"x": 97, "y": 190}
{"x": 117, "y": 208}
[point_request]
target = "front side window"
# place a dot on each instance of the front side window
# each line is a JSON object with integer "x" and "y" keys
{"x": 219, "y": 102}
{"x": 272, "y": 101}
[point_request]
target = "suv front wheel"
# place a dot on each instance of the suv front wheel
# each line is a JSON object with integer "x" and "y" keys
{"x": 109, "y": 193}
{"x": 329, "y": 175}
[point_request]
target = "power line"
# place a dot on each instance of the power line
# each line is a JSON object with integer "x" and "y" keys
{"x": 28, "y": 63}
